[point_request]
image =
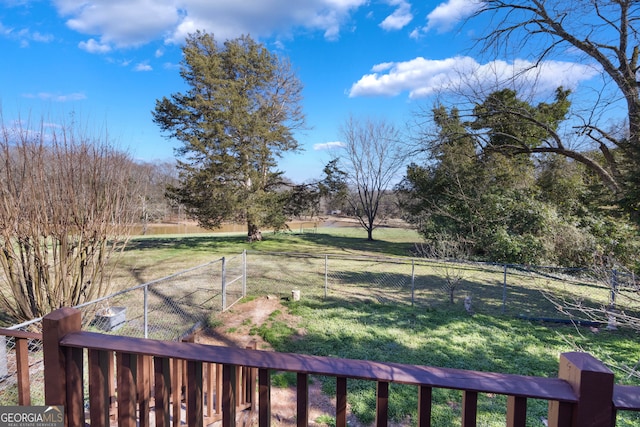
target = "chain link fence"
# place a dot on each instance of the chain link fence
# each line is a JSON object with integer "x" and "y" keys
{"x": 172, "y": 307}
{"x": 496, "y": 289}
{"x": 167, "y": 309}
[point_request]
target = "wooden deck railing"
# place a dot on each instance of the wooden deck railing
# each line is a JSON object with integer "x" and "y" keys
{"x": 21, "y": 349}
{"x": 584, "y": 393}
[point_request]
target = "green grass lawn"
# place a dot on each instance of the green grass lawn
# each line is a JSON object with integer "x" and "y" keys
{"x": 443, "y": 337}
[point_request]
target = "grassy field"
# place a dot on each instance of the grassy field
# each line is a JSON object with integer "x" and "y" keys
{"x": 346, "y": 324}
{"x": 151, "y": 257}
{"x": 369, "y": 319}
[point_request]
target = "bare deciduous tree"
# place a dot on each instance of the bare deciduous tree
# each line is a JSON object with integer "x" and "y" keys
{"x": 153, "y": 180}
{"x": 67, "y": 204}
{"x": 374, "y": 154}
{"x": 451, "y": 253}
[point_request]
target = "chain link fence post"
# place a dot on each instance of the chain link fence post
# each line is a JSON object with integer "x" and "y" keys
{"x": 504, "y": 290}
{"x": 326, "y": 275}
{"x": 614, "y": 288}
{"x": 413, "y": 281}
{"x": 146, "y": 311}
{"x": 224, "y": 284}
{"x": 244, "y": 273}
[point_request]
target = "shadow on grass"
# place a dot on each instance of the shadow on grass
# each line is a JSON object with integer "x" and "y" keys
{"x": 356, "y": 244}
{"x": 201, "y": 243}
{"x": 430, "y": 291}
{"x": 446, "y": 337}
{"x": 439, "y": 337}
{"x": 281, "y": 242}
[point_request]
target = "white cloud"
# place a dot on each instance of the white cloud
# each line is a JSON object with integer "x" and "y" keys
{"x": 384, "y": 66}
{"x": 401, "y": 17}
{"x": 413, "y": 75}
{"x": 231, "y": 19}
{"x": 47, "y": 96}
{"x": 92, "y": 46}
{"x": 41, "y": 38}
{"x": 328, "y": 145}
{"x": 143, "y": 67}
{"x": 125, "y": 23}
{"x": 5, "y": 31}
{"x": 446, "y": 15}
{"x": 171, "y": 66}
{"x": 120, "y": 22}
{"x": 279, "y": 45}
{"x": 78, "y": 96}
{"x": 422, "y": 77}
{"x": 25, "y": 35}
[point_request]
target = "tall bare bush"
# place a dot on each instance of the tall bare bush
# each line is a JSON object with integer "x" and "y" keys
{"x": 67, "y": 203}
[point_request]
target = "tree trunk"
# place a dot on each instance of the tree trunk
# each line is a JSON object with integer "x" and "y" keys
{"x": 253, "y": 233}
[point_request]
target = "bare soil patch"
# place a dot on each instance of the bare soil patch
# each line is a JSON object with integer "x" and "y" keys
{"x": 234, "y": 330}
{"x": 236, "y": 323}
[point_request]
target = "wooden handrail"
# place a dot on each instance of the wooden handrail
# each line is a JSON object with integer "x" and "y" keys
{"x": 20, "y": 334}
{"x": 22, "y": 361}
{"x": 626, "y": 397}
{"x": 457, "y": 379}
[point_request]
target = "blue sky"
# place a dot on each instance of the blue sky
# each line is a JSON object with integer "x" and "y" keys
{"x": 107, "y": 61}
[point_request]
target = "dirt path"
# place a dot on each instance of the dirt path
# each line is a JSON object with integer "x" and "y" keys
{"x": 234, "y": 330}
